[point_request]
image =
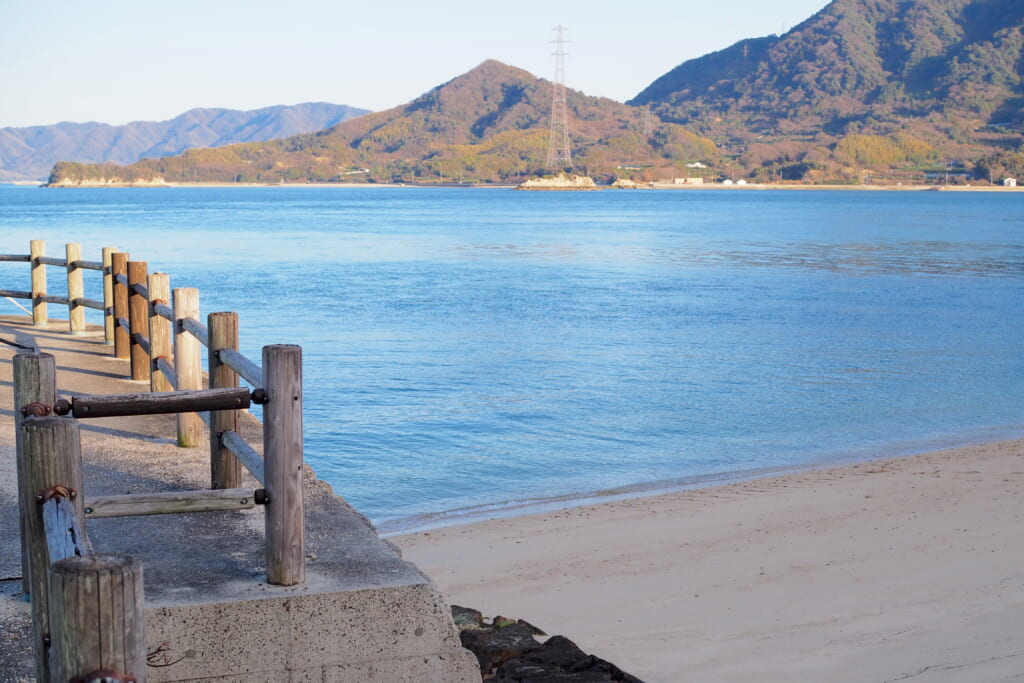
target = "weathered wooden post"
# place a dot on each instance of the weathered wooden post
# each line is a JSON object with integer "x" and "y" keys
{"x": 187, "y": 362}
{"x": 282, "y": 447}
{"x": 50, "y": 455}
{"x": 138, "y": 320}
{"x": 34, "y": 382}
{"x": 96, "y": 619}
{"x": 108, "y": 295}
{"x": 76, "y": 288}
{"x": 37, "y": 250}
{"x": 119, "y": 275}
{"x": 225, "y": 470}
{"x": 159, "y": 331}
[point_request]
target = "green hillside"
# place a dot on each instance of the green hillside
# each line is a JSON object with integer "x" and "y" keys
{"x": 489, "y": 125}
{"x": 944, "y": 76}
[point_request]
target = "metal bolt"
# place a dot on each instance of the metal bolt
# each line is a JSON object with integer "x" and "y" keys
{"x": 35, "y": 409}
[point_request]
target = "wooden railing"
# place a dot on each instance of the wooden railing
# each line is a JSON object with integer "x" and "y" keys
{"x": 158, "y": 330}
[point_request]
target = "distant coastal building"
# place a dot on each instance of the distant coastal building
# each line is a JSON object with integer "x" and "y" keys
{"x": 1009, "y": 182}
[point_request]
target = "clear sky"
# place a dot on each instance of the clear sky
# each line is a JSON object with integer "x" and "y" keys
{"x": 117, "y": 61}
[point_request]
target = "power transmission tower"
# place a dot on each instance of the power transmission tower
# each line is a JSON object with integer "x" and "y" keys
{"x": 559, "y": 155}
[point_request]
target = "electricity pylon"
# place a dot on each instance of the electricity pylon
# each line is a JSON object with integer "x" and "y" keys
{"x": 559, "y": 154}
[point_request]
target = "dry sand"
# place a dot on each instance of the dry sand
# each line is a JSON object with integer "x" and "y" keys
{"x": 902, "y": 569}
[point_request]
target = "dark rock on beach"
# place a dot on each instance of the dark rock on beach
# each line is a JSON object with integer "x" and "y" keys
{"x": 509, "y": 652}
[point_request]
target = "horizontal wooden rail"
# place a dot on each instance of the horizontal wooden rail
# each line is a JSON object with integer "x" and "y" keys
{"x": 50, "y": 299}
{"x": 89, "y": 303}
{"x": 164, "y": 311}
{"x": 245, "y": 368}
{"x": 117, "y": 405}
{"x": 122, "y": 279}
{"x": 87, "y": 265}
{"x": 14, "y": 294}
{"x": 197, "y": 330}
{"x": 24, "y": 258}
{"x": 169, "y": 502}
{"x": 167, "y": 368}
{"x": 246, "y": 454}
{"x": 124, "y": 324}
{"x": 142, "y": 340}
{"x": 141, "y": 290}
{"x": 51, "y": 261}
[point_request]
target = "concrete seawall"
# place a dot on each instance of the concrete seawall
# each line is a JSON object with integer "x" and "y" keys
{"x": 363, "y": 613}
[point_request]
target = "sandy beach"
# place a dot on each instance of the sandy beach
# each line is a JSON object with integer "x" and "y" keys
{"x": 899, "y": 569}
{"x": 890, "y": 570}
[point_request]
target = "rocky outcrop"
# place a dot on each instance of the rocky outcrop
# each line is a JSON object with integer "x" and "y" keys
{"x": 515, "y": 651}
{"x": 562, "y": 181}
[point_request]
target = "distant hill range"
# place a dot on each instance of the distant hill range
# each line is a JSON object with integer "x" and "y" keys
{"x": 29, "y": 153}
{"x": 488, "y": 125}
{"x": 864, "y": 90}
{"x": 946, "y": 74}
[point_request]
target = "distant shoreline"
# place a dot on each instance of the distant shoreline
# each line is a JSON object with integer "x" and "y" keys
{"x": 477, "y": 186}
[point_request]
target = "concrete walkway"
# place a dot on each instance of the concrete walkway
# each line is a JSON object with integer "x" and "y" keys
{"x": 362, "y": 614}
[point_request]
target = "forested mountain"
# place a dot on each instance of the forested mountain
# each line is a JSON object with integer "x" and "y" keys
{"x": 488, "y": 125}
{"x": 940, "y": 74}
{"x": 864, "y": 90}
{"x": 29, "y": 153}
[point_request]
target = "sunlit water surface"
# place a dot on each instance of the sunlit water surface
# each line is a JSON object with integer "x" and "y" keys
{"x": 477, "y": 349}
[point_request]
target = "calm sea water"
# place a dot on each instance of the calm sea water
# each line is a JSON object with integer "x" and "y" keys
{"x": 478, "y": 349}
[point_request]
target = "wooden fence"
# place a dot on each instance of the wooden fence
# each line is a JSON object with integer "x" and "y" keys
{"x": 162, "y": 341}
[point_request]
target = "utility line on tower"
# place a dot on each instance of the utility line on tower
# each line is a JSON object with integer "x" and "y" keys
{"x": 559, "y": 155}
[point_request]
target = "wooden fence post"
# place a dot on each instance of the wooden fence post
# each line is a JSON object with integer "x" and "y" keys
{"x": 37, "y": 249}
{"x": 282, "y": 447}
{"x": 108, "y": 295}
{"x": 138, "y": 321}
{"x": 225, "y": 470}
{"x": 187, "y": 363}
{"x": 34, "y": 382}
{"x": 50, "y": 455}
{"x": 159, "y": 330}
{"x": 119, "y": 267}
{"x": 76, "y": 289}
{"x": 96, "y": 620}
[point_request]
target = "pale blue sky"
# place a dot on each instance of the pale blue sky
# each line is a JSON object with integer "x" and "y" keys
{"x": 116, "y": 61}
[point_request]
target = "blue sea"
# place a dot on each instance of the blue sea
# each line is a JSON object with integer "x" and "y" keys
{"x": 474, "y": 351}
